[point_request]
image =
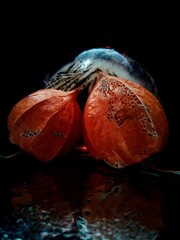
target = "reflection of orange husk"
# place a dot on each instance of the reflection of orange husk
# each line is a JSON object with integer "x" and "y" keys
{"x": 123, "y": 122}
{"x": 108, "y": 199}
{"x": 46, "y": 123}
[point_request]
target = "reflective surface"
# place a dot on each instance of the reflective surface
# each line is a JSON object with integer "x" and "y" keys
{"x": 77, "y": 197}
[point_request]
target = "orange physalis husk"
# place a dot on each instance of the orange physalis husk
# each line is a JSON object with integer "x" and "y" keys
{"x": 124, "y": 123}
{"x": 46, "y": 123}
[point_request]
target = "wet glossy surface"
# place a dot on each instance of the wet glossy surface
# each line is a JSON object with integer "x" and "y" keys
{"x": 77, "y": 197}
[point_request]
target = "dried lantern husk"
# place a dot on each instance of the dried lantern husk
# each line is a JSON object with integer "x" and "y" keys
{"x": 46, "y": 123}
{"x": 124, "y": 123}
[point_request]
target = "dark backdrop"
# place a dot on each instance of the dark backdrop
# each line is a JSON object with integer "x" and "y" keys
{"x": 36, "y": 41}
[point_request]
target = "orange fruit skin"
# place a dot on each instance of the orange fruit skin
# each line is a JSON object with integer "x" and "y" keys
{"x": 123, "y": 123}
{"x": 46, "y": 123}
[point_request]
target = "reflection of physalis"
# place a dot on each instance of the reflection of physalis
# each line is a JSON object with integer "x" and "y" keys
{"x": 112, "y": 204}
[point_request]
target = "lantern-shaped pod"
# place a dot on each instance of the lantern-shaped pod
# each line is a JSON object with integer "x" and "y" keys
{"x": 124, "y": 123}
{"x": 46, "y": 123}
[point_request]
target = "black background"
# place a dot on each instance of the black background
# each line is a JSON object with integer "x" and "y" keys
{"x": 37, "y": 40}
